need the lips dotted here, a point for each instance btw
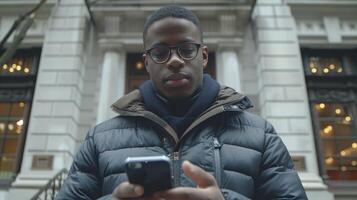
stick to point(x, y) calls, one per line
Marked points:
point(177, 80)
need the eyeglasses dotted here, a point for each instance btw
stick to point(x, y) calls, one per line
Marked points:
point(162, 53)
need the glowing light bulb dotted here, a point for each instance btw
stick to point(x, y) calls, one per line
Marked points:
point(348, 118)
point(354, 145)
point(339, 70)
point(21, 104)
point(343, 168)
point(343, 153)
point(326, 70)
point(18, 67)
point(322, 105)
point(10, 127)
point(314, 70)
point(328, 129)
point(2, 126)
point(20, 122)
point(139, 65)
point(329, 160)
point(11, 70)
point(338, 111)
point(5, 66)
point(332, 66)
point(354, 163)
point(26, 70)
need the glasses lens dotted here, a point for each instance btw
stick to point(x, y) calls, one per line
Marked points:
point(160, 53)
point(187, 50)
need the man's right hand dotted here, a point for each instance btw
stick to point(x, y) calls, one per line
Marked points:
point(127, 190)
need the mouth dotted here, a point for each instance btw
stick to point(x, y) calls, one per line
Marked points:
point(177, 80)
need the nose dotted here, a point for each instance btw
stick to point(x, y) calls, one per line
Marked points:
point(175, 61)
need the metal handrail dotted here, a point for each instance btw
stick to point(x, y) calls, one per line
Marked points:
point(52, 187)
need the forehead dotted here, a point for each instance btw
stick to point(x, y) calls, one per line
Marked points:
point(171, 31)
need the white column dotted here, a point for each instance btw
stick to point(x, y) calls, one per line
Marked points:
point(229, 72)
point(112, 84)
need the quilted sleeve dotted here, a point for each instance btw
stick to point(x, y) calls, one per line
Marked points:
point(82, 181)
point(278, 178)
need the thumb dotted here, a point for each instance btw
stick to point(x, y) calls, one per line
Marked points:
point(202, 178)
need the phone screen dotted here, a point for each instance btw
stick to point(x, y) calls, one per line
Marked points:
point(152, 172)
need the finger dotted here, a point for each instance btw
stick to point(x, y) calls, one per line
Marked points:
point(127, 190)
point(199, 176)
point(181, 193)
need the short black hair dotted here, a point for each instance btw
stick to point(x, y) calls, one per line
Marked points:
point(172, 11)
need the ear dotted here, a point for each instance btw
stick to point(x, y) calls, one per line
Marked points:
point(145, 58)
point(205, 56)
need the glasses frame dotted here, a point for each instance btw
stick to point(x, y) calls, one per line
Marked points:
point(198, 46)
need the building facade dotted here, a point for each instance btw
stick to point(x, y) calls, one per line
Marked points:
point(295, 59)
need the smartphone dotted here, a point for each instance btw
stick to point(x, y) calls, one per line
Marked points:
point(151, 172)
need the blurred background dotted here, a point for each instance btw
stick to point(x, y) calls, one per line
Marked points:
point(63, 62)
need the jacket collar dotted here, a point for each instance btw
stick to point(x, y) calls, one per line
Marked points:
point(227, 97)
point(227, 100)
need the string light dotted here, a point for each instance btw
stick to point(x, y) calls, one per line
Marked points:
point(5, 66)
point(11, 70)
point(332, 66)
point(354, 163)
point(339, 70)
point(21, 104)
point(2, 126)
point(10, 127)
point(19, 129)
point(322, 105)
point(314, 70)
point(326, 70)
point(18, 67)
point(329, 160)
point(343, 153)
point(354, 145)
point(328, 129)
point(343, 168)
point(13, 66)
point(26, 70)
point(139, 65)
point(20, 122)
point(338, 111)
point(348, 118)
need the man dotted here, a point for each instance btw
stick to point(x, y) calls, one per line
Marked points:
point(218, 150)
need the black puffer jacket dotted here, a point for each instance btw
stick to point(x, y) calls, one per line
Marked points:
point(242, 151)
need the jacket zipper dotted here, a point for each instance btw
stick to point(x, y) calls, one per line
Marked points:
point(217, 161)
point(176, 168)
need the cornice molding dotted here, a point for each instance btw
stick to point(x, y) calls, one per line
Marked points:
point(310, 29)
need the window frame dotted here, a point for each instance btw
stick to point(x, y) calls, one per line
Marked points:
point(21, 82)
point(335, 82)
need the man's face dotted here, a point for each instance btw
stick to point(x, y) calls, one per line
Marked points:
point(177, 78)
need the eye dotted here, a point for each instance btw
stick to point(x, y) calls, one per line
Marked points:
point(187, 50)
point(159, 53)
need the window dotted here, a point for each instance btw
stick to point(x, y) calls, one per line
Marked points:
point(332, 88)
point(136, 73)
point(17, 82)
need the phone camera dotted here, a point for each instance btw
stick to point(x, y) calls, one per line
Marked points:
point(136, 165)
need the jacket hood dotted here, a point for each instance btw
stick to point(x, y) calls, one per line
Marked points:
point(133, 102)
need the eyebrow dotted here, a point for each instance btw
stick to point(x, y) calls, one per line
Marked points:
point(164, 43)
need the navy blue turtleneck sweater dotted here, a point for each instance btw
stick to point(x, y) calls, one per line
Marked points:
point(180, 113)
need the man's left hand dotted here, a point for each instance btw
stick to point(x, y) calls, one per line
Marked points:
point(207, 187)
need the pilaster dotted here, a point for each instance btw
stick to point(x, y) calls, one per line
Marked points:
point(283, 97)
point(53, 131)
